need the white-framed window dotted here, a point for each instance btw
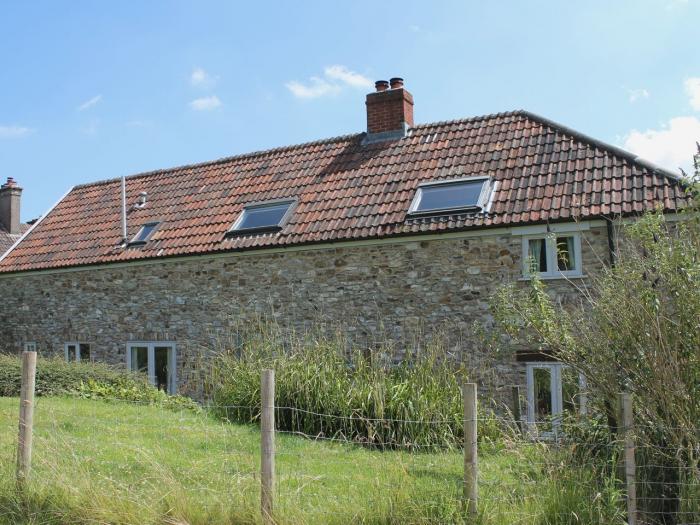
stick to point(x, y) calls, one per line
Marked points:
point(157, 359)
point(552, 255)
point(553, 389)
point(451, 196)
point(30, 346)
point(76, 352)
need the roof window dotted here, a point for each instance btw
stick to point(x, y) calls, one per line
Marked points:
point(144, 233)
point(264, 216)
point(451, 196)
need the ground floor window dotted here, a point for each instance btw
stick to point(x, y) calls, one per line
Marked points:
point(553, 389)
point(155, 359)
point(76, 352)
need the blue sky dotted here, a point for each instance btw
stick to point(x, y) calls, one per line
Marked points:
point(94, 90)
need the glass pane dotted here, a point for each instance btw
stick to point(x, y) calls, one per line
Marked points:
point(537, 253)
point(543, 393)
point(444, 196)
point(145, 232)
point(263, 216)
point(565, 254)
point(139, 359)
point(570, 390)
point(71, 353)
point(161, 366)
point(84, 352)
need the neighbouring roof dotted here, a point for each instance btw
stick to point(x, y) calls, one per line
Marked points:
point(347, 190)
point(8, 239)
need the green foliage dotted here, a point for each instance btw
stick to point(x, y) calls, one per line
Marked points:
point(637, 330)
point(134, 390)
point(329, 389)
point(54, 376)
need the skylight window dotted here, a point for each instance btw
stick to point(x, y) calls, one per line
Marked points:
point(451, 196)
point(144, 233)
point(264, 216)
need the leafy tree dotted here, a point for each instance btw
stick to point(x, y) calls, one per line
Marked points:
point(637, 329)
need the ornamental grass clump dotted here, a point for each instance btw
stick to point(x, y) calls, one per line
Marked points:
point(328, 388)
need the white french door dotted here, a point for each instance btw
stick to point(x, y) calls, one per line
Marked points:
point(552, 390)
point(157, 360)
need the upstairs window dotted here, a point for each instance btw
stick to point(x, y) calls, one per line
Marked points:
point(451, 196)
point(554, 255)
point(144, 233)
point(76, 352)
point(264, 216)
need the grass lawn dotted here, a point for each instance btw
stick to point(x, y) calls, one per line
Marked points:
point(114, 462)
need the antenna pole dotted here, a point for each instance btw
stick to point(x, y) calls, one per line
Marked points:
point(124, 208)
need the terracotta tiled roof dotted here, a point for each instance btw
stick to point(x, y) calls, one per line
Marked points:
point(8, 239)
point(347, 190)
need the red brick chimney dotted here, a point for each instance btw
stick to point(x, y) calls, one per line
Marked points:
point(10, 195)
point(390, 108)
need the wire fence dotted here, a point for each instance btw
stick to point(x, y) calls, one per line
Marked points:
point(109, 460)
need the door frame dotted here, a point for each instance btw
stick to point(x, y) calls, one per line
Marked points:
point(150, 348)
point(556, 388)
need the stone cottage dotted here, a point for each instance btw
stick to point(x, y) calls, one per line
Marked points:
point(399, 225)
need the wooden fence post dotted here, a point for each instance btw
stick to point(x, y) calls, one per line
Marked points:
point(267, 441)
point(26, 417)
point(630, 464)
point(471, 489)
point(517, 412)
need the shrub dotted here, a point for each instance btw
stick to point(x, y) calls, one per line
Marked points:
point(637, 329)
point(55, 377)
point(327, 388)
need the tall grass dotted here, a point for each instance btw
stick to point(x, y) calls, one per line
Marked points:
point(328, 388)
point(99, 462)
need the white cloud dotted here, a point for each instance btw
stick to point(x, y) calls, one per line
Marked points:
point(351, 78)
point(139, 123)
point(205, 103)
point(14, 132)
point(637, 94)
point(201, 78)
point(90, 103)
point(316, 88)
point(335, 78)
point(671, 146)
point(692, 89)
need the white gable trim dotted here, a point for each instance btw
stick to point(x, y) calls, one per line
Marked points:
point(31, 228)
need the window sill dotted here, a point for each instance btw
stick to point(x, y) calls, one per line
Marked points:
point(554, 277)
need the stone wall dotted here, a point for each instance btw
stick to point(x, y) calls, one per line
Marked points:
point(375, 291)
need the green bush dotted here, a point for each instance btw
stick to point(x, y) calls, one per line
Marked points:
point(326, 388)
point(636, 329)
point(56, 377)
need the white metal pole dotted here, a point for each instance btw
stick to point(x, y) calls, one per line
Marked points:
point(124, 233)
